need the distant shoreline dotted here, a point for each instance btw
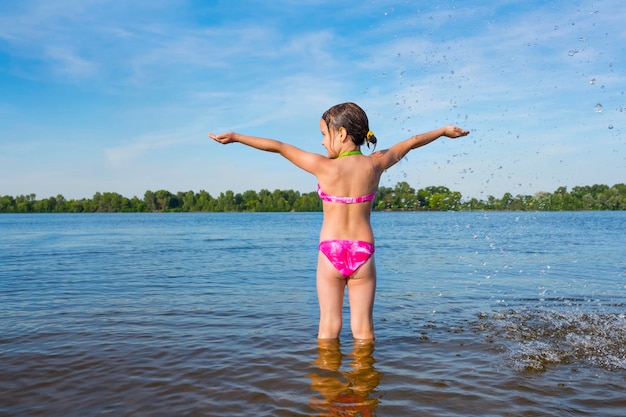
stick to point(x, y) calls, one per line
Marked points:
point(401, 198)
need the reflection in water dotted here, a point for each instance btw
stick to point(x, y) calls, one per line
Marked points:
point(345, 392)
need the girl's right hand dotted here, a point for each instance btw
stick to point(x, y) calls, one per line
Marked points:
point(454, 132)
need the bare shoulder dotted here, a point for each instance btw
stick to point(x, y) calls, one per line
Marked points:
point(385, 158)
point(311, 162)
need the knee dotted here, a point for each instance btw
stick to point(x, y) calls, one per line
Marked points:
point(363, 331)
point(329, 328)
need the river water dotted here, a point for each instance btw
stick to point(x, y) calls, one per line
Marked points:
point(477, 313)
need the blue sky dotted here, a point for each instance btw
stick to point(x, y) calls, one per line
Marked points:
point(119, 96)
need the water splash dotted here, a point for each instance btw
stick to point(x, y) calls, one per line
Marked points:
point(549, 338)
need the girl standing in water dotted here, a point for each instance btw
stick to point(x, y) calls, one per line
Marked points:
point(347, 184)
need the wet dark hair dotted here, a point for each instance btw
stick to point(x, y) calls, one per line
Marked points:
point(352, 118)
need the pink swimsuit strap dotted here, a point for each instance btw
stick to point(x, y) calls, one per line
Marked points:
point(344, 200)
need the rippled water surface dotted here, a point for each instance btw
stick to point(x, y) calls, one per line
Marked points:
point(485, 314)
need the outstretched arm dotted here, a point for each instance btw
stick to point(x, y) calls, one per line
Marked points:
point(263, 144)
point(308, 161)
point(391, 156)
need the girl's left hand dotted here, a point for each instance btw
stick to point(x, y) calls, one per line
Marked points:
point(223, 138)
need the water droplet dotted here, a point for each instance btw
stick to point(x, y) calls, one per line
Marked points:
point(610, 126)
point(573, 52)
point(592, 81)
point(598, 108)
point(582, 39)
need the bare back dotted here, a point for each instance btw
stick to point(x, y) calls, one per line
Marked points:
point(351, 176)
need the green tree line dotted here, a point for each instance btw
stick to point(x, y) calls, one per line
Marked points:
point(402, 197)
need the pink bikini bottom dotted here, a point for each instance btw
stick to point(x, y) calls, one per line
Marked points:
point(346, 255)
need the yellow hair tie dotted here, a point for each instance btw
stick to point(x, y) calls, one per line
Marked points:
point(369, 134)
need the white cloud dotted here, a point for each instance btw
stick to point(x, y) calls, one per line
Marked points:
point(137, 148)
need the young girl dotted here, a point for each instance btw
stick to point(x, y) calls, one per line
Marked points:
point(347, 184)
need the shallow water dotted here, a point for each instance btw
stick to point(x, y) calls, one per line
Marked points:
point(502, 314)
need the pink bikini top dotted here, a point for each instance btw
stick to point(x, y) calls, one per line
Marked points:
point(344, 200)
